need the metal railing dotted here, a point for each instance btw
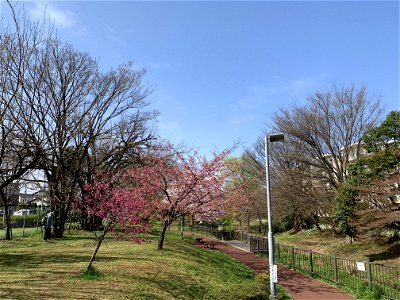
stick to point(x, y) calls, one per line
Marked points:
point(219, 233)
point(384, 280)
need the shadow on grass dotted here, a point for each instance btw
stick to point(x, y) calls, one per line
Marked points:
point(28, 260)
point(77, 237)
point(392, 252)
point(9, 292)
point(46, 291)
point(177, 287)
point(32, 260)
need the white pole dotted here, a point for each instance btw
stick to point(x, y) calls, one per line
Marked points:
point(270, 234)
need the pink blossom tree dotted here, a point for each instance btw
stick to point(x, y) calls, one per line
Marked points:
point(179, 184)
point(121, 208)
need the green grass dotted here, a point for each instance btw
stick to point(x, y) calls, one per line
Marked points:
point(32, 268)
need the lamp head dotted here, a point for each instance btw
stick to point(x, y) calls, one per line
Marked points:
point(276, 137)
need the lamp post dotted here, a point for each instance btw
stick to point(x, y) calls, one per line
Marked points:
point(272, 267)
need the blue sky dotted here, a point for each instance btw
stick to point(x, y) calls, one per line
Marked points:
point(221, 69)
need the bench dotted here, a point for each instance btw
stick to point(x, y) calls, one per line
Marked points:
point(199, 240)
point(209, 245)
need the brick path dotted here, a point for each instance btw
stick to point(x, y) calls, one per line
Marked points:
point(298, 285)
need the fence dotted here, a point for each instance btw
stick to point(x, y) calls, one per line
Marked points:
point(384, 280)
point(221, 233)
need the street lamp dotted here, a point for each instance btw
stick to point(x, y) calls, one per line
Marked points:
point(272, 267)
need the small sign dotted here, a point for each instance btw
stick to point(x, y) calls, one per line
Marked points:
point(274, 273)
point(361, 266)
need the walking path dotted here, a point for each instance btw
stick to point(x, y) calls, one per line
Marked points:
point(298, 285)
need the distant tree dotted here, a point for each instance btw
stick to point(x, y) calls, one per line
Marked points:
point(321, 138)
point(374, 179)
point(237, 198)
point(292, 195)
point(299, 201)
point(252, 183)
point(386, 135)
point(179, 184)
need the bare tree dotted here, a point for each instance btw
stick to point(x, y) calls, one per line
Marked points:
point(79, 107)
point(17, 154)
point(291, 193)
point(67, 108)
point(321, 138)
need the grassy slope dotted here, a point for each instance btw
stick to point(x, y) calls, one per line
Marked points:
point(32, 268)
point(379, 250)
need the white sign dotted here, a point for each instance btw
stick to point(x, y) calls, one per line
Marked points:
point(361, 266)
point(274, 273)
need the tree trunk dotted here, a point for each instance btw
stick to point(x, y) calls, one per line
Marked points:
point(7, 223)
point(182, 224)
point(59, 207)
point(319, 227)
point(162, 235)
point(59, 218)
point(23, 226)
point(260, 225)
point(89, 223)
point(99, 241)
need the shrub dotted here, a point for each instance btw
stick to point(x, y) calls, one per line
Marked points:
point(91, 273)
point(30, 221)
point(365, 292)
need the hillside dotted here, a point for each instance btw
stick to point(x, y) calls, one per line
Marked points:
point(384, 250)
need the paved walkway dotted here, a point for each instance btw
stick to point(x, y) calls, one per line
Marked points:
point(298, 285)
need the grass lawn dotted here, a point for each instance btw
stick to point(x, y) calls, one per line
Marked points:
point(32, 268)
